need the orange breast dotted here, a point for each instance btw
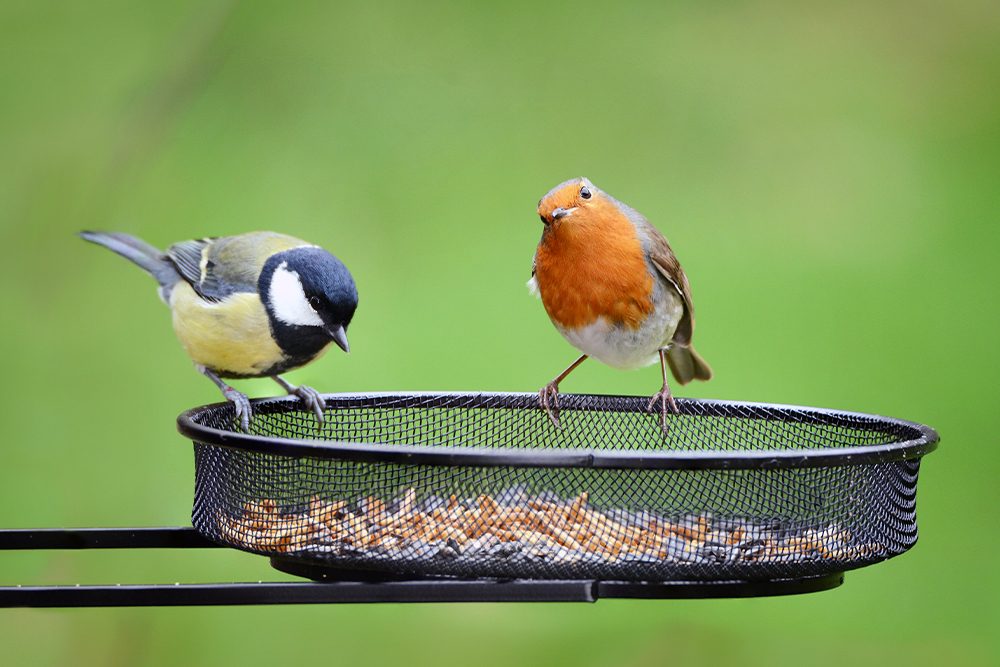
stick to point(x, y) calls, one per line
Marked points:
point(592, 265)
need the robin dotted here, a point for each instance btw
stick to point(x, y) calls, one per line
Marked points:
point(614, 289)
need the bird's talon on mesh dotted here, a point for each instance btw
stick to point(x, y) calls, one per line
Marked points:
point(549, 398)
point(312, 400)
point(241, 405)
point(667, 406)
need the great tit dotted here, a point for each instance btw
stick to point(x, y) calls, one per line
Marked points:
point(247, 306)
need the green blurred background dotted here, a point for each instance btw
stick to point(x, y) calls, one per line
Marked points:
point(827, 172)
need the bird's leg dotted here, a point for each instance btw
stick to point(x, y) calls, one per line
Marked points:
point(239, 400)
point(549, 394)
point(309, 396)
point(666, 399)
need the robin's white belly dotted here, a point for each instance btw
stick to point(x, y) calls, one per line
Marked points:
point(623, 347)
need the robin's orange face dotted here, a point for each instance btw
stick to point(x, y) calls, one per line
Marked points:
point(566, 199)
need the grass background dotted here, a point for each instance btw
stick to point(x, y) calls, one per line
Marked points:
point(827, 173)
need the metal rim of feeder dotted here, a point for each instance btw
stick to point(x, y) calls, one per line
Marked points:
point(924, 440)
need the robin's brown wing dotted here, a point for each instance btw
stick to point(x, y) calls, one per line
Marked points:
point(663, 258)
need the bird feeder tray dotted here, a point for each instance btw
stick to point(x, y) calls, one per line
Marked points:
point(484, 485)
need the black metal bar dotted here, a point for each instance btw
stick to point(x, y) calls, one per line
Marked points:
point(333, 591)
point(925, 439)
point(172, 537)
point(266, 593)
point(349, 592)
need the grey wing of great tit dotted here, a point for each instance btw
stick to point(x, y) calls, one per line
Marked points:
point(218, 267)
point(214, 268)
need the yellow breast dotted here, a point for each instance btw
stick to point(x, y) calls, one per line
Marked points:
point(232, 337)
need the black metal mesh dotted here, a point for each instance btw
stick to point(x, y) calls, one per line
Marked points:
point(759, 519)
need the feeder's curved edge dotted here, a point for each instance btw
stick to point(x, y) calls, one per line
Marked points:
point(562, 458)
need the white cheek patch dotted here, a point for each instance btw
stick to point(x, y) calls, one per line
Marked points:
point(288, 299)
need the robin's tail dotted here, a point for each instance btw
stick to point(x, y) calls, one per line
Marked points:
point(137, 251)
point(686, 364)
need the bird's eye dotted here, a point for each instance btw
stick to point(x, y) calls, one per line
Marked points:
point(585, 192)
point(314, 302)
point(542, 218)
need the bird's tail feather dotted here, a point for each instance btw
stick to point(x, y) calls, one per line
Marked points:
point(686, 364)
point(137, 251)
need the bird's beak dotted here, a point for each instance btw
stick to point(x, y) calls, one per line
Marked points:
point(562, 212)
point(339, 337)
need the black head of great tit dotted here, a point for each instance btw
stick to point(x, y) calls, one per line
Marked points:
point(310, 299)
point(253, 305)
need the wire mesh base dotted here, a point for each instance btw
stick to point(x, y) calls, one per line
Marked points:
point(330, 574)
point(483, 485)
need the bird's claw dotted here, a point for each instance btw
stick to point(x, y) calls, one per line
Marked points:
point(312, 400)
point(667, 405)
point(548, 396)
point(241, 405)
